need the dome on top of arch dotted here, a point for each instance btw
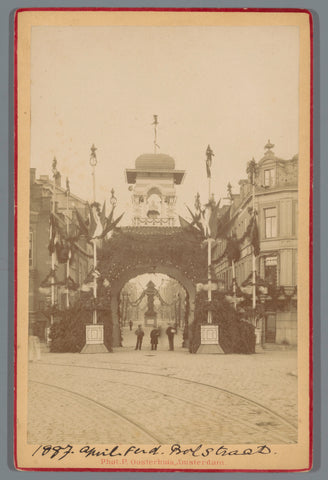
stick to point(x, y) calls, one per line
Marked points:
point(155, 161)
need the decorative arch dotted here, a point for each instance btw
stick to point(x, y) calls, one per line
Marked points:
point(133, 251)
point(154, 190)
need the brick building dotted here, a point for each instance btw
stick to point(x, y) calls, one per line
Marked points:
point(41, 191)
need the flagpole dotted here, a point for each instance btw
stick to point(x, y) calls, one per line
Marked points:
point(234, 284)
point(229, 188)
point(67, 231)
point(209, 283)
point(93, 163)
point(155, 123)
point(94, 280)
point(53, 253)
point(209, 155)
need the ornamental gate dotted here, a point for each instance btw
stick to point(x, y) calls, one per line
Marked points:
point(174, 251)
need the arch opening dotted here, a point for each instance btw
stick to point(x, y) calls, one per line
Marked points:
point(153, 302)
point(170, 301)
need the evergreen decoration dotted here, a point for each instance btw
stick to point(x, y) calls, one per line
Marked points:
point(67, 334)
point(236, 335)
point(127, 249)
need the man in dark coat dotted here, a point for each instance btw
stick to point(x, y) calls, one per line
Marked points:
point(170, 331)
point(154, 334)
point(140, 333)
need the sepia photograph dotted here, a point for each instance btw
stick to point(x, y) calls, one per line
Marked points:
point(163, 240)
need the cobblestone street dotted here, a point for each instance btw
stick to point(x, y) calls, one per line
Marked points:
point(161, 396)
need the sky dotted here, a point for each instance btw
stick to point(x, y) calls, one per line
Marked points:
point(231, 87)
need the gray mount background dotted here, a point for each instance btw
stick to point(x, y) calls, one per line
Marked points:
point(319, 9)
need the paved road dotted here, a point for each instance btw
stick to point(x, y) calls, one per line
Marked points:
point(164, 397)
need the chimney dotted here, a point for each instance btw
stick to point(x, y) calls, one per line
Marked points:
point(44, 178)
point(58, 179)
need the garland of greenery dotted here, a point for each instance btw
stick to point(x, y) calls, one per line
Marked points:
point(232, 250)
point(236, 335)
point(126, 250)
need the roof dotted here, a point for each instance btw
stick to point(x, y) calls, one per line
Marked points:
point(155, 161)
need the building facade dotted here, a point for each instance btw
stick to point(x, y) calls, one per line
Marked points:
point(66, 204)
point(276, 207)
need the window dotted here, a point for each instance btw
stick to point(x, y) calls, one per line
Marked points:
point(270, 270)
point(270, 216)
point(30, 251)
point(269, 177)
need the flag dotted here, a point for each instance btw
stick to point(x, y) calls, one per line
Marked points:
point(209, 219)
point(87, 287)
point(254, 237)
point(110, 225)
point(248, 290)
point(67, 186)
point(233, 249)
point(184, 223)
point(103, 214)
point(213, 220)
point(83, 227)
point(95, 226)
point(195, 218)
point(209, 155)
point(54, 236)
point(61, 252)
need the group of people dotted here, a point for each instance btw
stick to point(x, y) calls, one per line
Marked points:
point(154, 334)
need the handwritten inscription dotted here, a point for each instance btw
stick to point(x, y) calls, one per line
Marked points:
point(201, 451)
point(58, 452)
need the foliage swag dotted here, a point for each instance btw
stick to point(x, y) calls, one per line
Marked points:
point(236, 335)
point(180, 249)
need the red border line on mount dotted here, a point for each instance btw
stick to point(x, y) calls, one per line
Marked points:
point(217, 10)
point(159, 9)
point(311, 253)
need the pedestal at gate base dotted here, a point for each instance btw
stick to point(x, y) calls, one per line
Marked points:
point(209, 335)
point(94, 339)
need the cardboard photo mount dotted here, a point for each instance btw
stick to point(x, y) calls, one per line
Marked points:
point(208, 457)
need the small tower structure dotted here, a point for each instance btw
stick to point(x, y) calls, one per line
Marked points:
point(154, 179)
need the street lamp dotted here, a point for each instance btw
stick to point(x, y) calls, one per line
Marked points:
point(113, 199)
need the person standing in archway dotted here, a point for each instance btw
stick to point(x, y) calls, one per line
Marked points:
point(154, 334)
point(140, 333)
point(170, 332)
